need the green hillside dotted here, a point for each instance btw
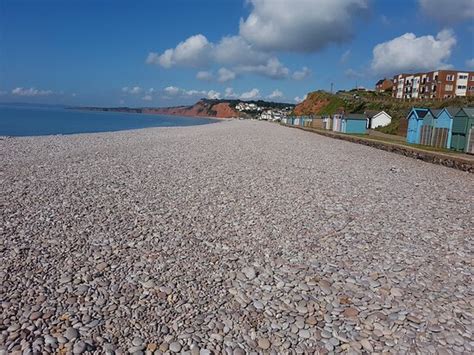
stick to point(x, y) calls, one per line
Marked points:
point(358, 101)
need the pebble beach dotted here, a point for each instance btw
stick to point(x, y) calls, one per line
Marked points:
point(231, 238)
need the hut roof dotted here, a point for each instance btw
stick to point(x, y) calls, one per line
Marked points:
point(452, 110)
point(356, 116)
point(469, 111)
point(436, 112)
point(421, 113)
point(372, 113)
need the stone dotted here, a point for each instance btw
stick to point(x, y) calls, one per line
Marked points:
point(396, 292)
point(249, 272)
point(71, 333)
point(366, 345)
point(79, 347)
point(304, 333)
point(148, 284)
point(175, 347)
point(263, 343)
point(101, 266)
point(152, 347)
point(350, 312)
point(137, 341)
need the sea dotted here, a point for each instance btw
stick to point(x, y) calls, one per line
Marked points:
point(20, 121)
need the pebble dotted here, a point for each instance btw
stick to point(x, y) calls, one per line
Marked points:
point(249, 272)
point(79, 347)
point(263, 343)
point(175, 347)
point(71, 333)
point(230, 238)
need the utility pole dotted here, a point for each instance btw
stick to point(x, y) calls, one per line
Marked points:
point(332, 86)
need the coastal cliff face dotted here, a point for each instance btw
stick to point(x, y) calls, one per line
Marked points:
point(318, 103)
point(200, 109)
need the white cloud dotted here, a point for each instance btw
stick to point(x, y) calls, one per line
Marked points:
point(147, 98)
point(411, 53)
point(448, 11)
point(230, 94)
point(300, 25)
point(193, 52)
point(276, 94)
point(3, 93)
point(225, 75)
point(470, 63)
point(135, 90)
point(299, 99)
point(195, 93)
point(301, 74)
point(31, 92)
point(172, 90)
point(234, 50)
point(250, 95)
point(345, 56)
point(213, 95)
point(204, 75)
point(273, 69)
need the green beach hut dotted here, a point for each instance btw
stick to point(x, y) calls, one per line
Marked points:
point(462, 138)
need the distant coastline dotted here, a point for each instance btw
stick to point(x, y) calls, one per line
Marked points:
point(204, 108)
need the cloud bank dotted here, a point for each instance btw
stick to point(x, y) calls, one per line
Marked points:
point(411, 53)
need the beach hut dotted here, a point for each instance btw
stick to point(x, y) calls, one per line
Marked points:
point(426, 130)
point(415, 122)
point(462, 138)
point(327, 122)
point(443, 126)
point(337, 122)
point(316, 122)
point(377, 118)
point(354, 123)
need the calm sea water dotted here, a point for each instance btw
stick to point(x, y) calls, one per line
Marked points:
point(39, 121)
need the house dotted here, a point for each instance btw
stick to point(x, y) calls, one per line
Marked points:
point(354, 123)
point(377, 119)
point(463, 130)
point(439, 84)
point(415, 122)
point(384, 85)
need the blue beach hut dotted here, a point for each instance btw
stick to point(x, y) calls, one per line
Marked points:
point(415, 122)
point(354, 123)
point(443, 127)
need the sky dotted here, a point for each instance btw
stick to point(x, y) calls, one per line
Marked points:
point(174, 52)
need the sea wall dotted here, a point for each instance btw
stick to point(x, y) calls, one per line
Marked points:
point(451, 161)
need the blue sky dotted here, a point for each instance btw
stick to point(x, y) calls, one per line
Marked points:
point(171, 52)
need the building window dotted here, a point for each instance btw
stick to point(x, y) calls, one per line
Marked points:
point(436, 77)
point(450, 77)
point(463, 77)
point(461, 87)
point(472, 78)
point(448, 87)
point(471, 88)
